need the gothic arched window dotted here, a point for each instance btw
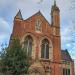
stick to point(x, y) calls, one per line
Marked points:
point(45, 49)
point(28, 45)
point(38, 25)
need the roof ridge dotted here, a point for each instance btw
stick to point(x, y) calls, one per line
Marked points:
point(65, 55)
point(39, 12)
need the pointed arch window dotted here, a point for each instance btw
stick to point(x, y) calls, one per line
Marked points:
point(38, 25)
point(28, 45)
point(45, 49)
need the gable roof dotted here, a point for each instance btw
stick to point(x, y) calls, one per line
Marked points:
point(38, 13)
point(65, 55)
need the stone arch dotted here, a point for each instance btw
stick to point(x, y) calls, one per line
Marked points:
point(22, 40)
point(33, 45)
point(50, 47)
point(45, 49)
point(37, 66)
point(28, 44)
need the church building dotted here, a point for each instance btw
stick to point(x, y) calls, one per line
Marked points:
point(42, 42)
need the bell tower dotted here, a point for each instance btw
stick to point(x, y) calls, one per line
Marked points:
point(55, 23)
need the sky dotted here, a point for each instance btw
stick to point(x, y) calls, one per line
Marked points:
point(9, 8)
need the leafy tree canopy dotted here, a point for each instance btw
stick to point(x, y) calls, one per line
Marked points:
point(14, 59)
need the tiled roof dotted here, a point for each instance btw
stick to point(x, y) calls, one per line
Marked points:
point(65, 55)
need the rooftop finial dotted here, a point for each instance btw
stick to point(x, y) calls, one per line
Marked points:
point(55, 2)
point(18, 15)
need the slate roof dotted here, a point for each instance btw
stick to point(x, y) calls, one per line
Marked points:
point(18, 15)
point(65, 55)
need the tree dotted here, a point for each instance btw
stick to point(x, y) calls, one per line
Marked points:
point(14, 59)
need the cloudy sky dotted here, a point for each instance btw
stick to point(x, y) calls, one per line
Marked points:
point(9, 8)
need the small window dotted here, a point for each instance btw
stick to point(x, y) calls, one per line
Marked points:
point(66, 71)
point(38, 25)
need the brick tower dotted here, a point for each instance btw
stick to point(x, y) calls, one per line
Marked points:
point(55, 19)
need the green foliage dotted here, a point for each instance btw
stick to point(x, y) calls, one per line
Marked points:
point(14, 59)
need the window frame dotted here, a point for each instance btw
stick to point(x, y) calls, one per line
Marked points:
point(38, 25)
point(66, 71)
point(45, 51)
point(28, 43)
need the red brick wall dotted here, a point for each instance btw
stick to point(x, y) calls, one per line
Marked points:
point(22, 27)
